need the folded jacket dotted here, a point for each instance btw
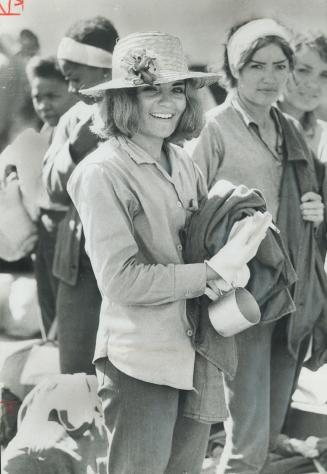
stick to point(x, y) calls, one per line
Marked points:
point(272, 273)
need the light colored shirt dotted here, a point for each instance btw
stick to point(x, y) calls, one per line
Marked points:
point(132, 212)
point(230, 147)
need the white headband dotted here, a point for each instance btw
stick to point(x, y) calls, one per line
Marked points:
point(81, 53)
point(246, 35)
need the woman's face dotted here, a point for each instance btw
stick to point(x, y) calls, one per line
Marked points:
point(160, 108)
point(262, 79)
point(307, 86)
point(80, 76)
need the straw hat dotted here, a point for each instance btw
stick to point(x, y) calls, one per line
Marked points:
point(149, 58)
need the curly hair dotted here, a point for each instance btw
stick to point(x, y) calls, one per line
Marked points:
point(121, 115)
point(45, 67)
point(228, 81)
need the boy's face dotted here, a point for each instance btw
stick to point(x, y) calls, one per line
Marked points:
point(51, 99)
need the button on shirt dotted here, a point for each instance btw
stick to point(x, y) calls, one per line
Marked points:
point(132, 211)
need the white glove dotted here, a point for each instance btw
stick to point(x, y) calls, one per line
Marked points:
point(215, 288)
point(242, 245)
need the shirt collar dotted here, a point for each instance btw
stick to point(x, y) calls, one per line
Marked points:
point(138, 154)
point(248, 120)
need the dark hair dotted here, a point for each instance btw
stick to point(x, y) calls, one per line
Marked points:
point(121, 115)
point(28, 34)
point(45, 67)
point(97, 31)
point(317, 41)
point(227, 79)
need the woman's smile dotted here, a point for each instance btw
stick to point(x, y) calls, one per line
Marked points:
point(163, 116)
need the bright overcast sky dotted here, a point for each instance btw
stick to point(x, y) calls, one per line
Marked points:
point(201, 24)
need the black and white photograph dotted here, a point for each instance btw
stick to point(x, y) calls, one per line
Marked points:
point(163, 237)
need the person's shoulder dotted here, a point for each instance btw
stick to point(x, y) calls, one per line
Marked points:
point(218, 111)
point(107, 164)
point(107, 153)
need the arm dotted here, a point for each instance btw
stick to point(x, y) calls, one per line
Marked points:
point(106, 210)
point(72, 141)
point(313, 203)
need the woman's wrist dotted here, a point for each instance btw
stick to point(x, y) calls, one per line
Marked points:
point(211, 274)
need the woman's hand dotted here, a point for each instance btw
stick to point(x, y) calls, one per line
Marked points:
point(312, 208)
point(242, 245)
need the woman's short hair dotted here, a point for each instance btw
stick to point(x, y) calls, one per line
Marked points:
point(227, 79)
point(45, 67)
point(121, 115)
point(97, 31)
point(317, 42)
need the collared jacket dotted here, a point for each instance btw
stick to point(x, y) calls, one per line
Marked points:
point(272, 274)
point(306, 246)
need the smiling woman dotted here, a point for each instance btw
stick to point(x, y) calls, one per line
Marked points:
point(134, 196)
point(306, 88)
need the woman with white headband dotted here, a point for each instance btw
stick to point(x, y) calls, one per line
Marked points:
point(249, 141)
point(84, 57)
point(134, 194)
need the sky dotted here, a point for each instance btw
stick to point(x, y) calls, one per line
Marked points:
point(201, 24)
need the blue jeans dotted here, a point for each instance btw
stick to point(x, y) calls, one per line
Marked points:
point(258, 397)
point(146, 431)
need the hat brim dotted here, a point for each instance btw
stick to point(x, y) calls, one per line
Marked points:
point(200, 79)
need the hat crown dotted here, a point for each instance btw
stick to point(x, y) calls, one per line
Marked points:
point(161, 53)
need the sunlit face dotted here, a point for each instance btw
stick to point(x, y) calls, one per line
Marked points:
point(51, 99)
point(80, 76)
point(262, 79)
point(308, 85)
point(160, 108)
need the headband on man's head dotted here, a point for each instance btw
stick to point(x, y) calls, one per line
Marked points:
point(246, 35)
point(71, 50)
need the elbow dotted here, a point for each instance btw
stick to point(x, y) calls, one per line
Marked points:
point(119, 292)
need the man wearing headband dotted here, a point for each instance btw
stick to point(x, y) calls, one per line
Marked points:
point(84, 56)
point(247, 140)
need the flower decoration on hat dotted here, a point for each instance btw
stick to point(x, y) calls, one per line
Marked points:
point(141, 67)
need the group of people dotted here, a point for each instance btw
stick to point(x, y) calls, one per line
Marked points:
point(130, 168)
